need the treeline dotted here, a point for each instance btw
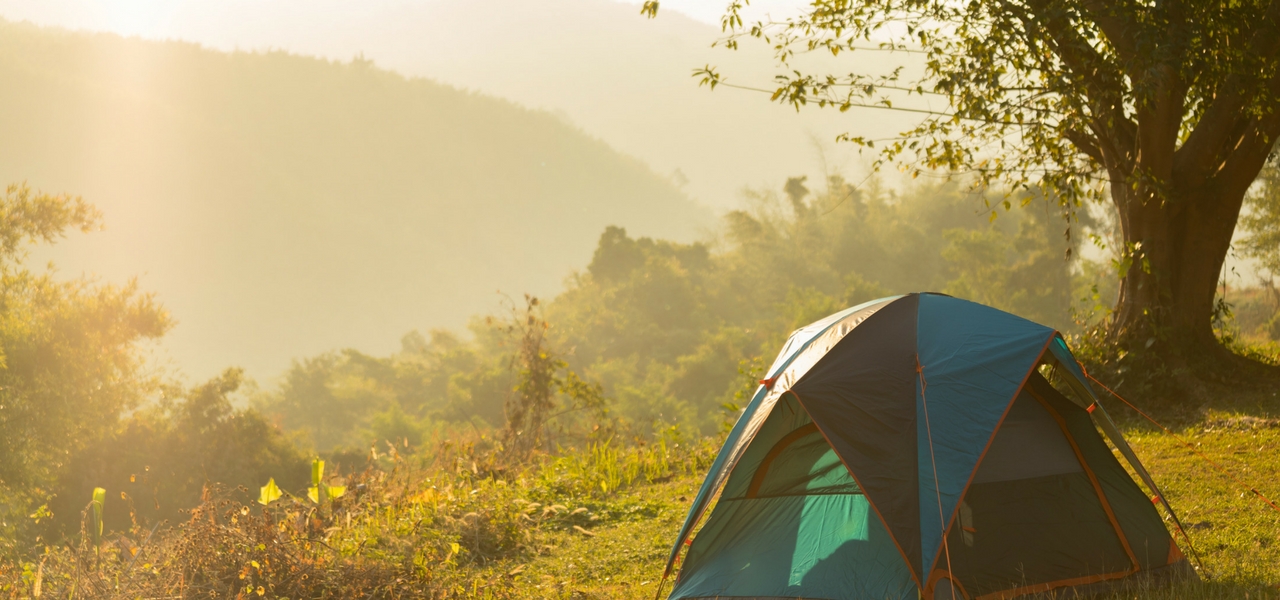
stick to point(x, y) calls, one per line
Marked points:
point(677, 334)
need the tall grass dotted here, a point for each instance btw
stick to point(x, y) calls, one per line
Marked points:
point(444, 523)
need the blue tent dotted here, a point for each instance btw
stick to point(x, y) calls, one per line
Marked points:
point(923, 446)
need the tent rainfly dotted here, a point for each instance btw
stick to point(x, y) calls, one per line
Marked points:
point(923, 446)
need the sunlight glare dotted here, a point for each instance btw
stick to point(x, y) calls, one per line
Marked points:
point(146, 18)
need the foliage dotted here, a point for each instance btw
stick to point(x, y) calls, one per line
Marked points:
point(429, 527)
point(595, 522)
point(71, 359)
point(321, 493)
point(1262, 222)
point(1168, 110)
point(1037, 92)
point(99, 498)
point(664, 327)
point(666, 336)
point(545, 388)
point(160, 460)
point(342, 400)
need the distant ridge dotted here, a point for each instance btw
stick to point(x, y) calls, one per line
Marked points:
point(600, 63)
point(282, 205)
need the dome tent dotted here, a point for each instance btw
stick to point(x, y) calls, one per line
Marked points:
point(912, 447)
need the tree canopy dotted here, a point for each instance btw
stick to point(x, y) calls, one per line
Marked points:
point(1168, 109)
point(69, 349)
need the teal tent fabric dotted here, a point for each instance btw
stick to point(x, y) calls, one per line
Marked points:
point(865, 446)
point(973, 359)
point(744, 430)
point(749, 548)
point(862, 395)
point(805, 532)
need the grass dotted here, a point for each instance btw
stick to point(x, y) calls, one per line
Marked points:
point(588, 524)
point(1236, 534)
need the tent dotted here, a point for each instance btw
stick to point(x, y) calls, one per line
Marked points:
point(922, 446)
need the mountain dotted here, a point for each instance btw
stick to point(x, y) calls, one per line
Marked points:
point(599, 63)
point(282, 205)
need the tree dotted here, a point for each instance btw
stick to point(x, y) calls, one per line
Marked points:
point(545, 388)
point(70, 355)
point(1167, 109)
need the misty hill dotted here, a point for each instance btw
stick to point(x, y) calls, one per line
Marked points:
point(282, 205)
point(618, 75)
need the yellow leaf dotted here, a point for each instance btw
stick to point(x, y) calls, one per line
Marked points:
point(269, 493)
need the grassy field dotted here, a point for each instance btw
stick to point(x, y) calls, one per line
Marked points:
point(1237, 536)
point(588, 524)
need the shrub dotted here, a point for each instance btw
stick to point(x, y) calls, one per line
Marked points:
point(160, 461)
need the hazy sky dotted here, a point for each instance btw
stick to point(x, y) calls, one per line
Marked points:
point(157, 18)
point(598, 63)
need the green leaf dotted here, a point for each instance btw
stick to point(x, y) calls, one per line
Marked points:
point(336, 491)
point(313, 493)
point(317, 471)
point(99, 498)
point(269, 493)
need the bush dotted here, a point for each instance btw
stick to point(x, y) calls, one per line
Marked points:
point(159, 462)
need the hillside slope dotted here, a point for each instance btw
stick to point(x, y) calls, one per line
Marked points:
point(282, 205)
point(620, 76)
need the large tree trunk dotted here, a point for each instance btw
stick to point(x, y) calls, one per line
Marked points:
point(1178, 248)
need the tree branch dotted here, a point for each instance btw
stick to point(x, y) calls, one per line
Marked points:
point(1085, 144)
point(1251, 150)
point(1160, 120)
point(1119, 35)
point(1103, 84)
point(1198, 158)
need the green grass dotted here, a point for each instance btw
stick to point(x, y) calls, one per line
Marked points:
point(588, 524)
point(622, 560)
point(1237, 536)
